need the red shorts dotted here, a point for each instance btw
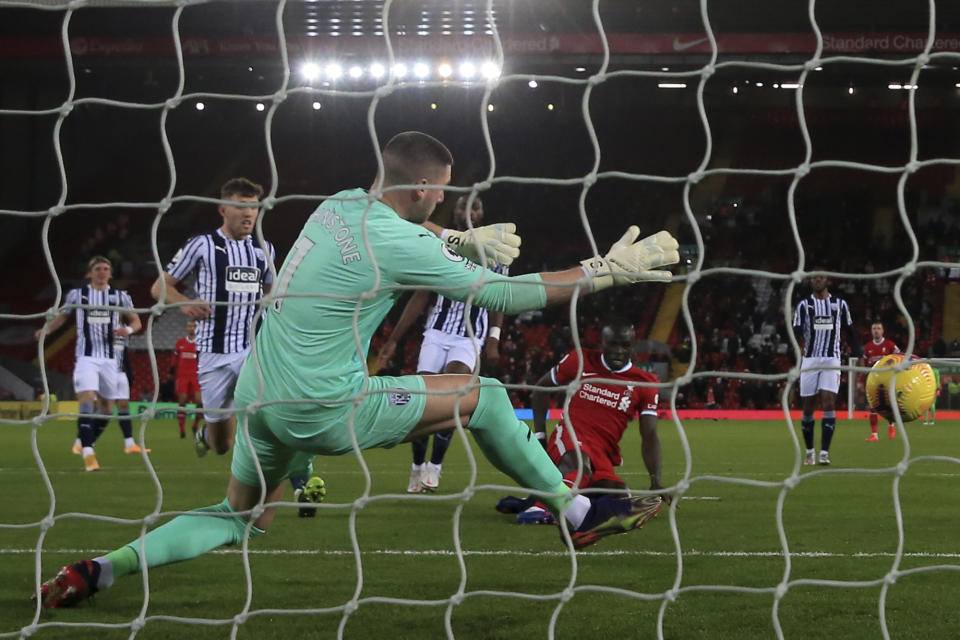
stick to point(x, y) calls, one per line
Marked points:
point(602, 458)
point(186, 386)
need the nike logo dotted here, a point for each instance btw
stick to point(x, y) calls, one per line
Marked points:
point(681, 46)
point(587, 375)
point(425, 235)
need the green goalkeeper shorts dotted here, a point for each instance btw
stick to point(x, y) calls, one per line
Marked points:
point(286, 442)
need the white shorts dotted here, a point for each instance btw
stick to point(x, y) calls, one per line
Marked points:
point(440, 349)
point(217, 373)
point(819, 379)
point(122, 388)
point(99, 375)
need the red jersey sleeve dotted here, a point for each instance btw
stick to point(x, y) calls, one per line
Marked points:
point(647, 399)
point(566, 369)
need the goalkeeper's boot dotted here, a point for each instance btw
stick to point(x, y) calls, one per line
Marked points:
point(200, 445)
point(535, 515)
point(74, 583)
point(873, 438)
point(609, 516)
point(313, 492)
point(811, 458)
point(511, 504)
point(892, 431)
point(430, 480)
point(90, 463)
point(824, 459)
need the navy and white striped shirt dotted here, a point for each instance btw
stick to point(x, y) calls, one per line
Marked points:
point(227, 270)
point(95, 326)
point(450, 316)
point(821, 322)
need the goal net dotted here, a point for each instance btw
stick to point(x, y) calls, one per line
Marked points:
point(776, 143)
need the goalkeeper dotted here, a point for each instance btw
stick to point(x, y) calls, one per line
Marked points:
point(339, 281)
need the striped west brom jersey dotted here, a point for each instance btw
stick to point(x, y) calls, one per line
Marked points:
point(450, 316)
point(227, 270)
point(820, 323)
point(95, 327)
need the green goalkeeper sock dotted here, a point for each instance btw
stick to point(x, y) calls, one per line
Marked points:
point(508, 444)
point(184, 537)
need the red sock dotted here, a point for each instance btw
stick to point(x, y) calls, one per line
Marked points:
point(181, 417)
point(873, 423)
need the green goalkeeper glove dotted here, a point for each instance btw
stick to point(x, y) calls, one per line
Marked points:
point(498, 241)
point(629, 261)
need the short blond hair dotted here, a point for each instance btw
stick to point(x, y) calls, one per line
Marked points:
point(95, 260)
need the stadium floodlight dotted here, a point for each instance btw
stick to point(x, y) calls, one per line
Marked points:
point(490, 70)
point(467, 70)
point(736, 89)
point(445, 70)
point(673, 85)
point(316, 106)
point(377, 70)
point(261, 106)
point(790, 85)
point(433, 106)
point(355, 72)
point(200, 106)
point(533, 84)
point(421, 69)
point(580, 69)
point(549, 106)
point(850, 90)
point(310, 70)
point(400, 70)
point(333, 71)
point(490, 107)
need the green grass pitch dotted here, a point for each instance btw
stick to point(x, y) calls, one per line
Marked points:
point(840, 526)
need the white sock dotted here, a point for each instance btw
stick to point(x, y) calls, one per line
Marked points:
point(77, 442)
point(434, 466)
point(106, 572)
point(128, 442)
point(578, 511)
point(87, 451)
point(811, 450)
point(416, 467)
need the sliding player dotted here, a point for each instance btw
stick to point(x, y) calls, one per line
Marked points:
point(599, 412)
point(353, 253)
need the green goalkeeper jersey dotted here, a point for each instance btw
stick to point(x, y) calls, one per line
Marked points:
point(351, 262)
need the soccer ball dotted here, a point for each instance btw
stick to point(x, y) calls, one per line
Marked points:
point(916, 388)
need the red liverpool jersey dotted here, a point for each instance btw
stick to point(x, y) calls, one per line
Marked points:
point(873, 351)
point(186, 354)
point(601, 411)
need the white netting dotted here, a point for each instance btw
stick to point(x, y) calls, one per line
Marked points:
point(799, 73)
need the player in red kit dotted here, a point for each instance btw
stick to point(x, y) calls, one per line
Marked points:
point(872, 352)
point(187, 386)
point(599, 413)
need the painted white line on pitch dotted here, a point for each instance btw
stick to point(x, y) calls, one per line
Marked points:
point(446, 552)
